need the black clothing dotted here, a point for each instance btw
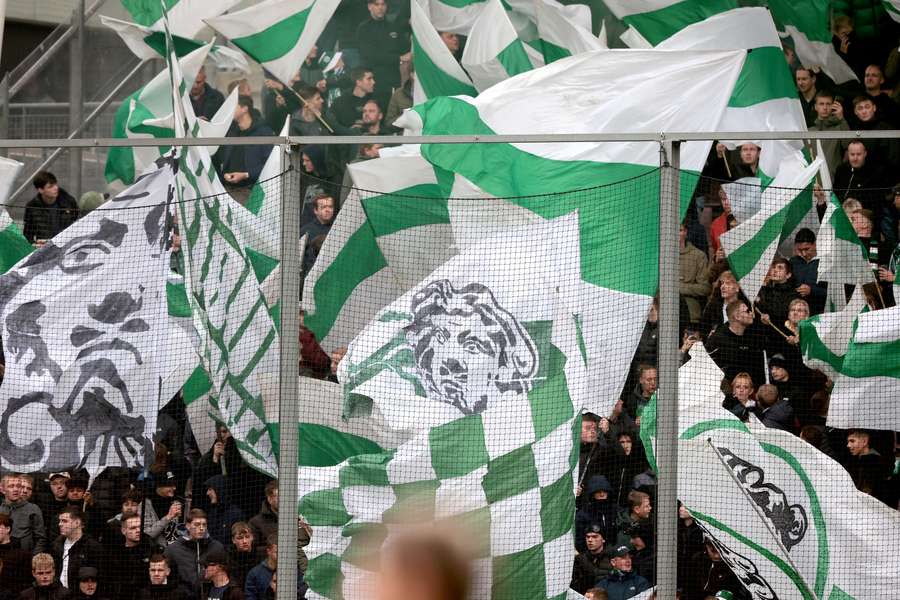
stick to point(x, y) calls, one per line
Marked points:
point(167, 591)
point(51, 510)
point(86, 552)
point(774, 299)
point(223, 514)
point(54, 591)
point(129, 570)
point(312, 230)
point(347, 108)
point(232, 591)
point(808, 273)
point(735, 353)
point(868, 471)
point(249, 159)
point(242, 562)
point(264, 524)
point(44, 221)
point(380, 45)
point(866, 184)
point(208, 103)
point(16, 574)
point(588, 569)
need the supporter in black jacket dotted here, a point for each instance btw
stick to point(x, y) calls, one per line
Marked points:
point(81, 550)
point(598, 510)
point(163, 583)
point(46, 586)
point(15, 574)
point(130, 561)
point(50, 211)
point(206, 100)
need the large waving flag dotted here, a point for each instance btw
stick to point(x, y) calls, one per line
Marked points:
point(824, 338)
point(437, 72)
point(647, 90)
point(455, 16)
point(382, 242)
point(185, 16)
point(238, 339)
point(656, 20)
point(893, 9)
point(147, 113)
point(865, 391)
point(462, 464)
point(808, 24)
point(84, 333)
point(278, 34)
point(493, 50)
point(776, 508)
point(13, 245)
point(765, 97)
point(751, 246)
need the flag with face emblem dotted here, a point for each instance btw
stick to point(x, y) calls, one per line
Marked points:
point(83, 332)
point(479, 365)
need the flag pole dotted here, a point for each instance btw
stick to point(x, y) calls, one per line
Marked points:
point(766, 522)
point(305, 104)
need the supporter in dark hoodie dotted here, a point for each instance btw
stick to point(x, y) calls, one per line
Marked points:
point(624, 463)
point(776, 295)
point(221, 514)
point(598, 508)
point(243, 552)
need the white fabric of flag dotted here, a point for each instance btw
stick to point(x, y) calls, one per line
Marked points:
point(751, 246)
point(618, 90)
point(865, 392)
point(278, 34)
point(652, 21)
point(561, 36)
point(824, 338)
point(455, 16)
point(362, 268)
point(808, 24)
point(147, 44)
point(493, 50)
point(437, 72)
point(802, 530)
point(84, 332)
point(238, 342)
point(511, 488)
point(765, 96)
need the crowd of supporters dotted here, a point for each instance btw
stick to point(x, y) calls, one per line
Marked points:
point(202, 524)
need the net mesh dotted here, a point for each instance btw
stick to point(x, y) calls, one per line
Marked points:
point(476, 394)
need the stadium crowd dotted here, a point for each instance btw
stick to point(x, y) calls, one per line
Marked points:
point(200, 523)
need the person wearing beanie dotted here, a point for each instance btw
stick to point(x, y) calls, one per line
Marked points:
point(593, 564)
point(598, 509)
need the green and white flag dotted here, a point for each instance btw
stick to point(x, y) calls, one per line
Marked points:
point(455, 16)
point(618, 90)
point(13, 245)
point(148, 43)
point(387, 236)
point(147, 113)
point(437, 72)
point(493, 50)
point(777, 509)
point(808, 24)
point(278, 34)
point(515, 356)
point(265, 200)
point(765, 96)
point(185, 16)
point(865, 392)
point(751, 246)
point(238, 340)
point(824, 338)
point(559, 35)
point(656, 20)
point(843, 258)
point(893, 9)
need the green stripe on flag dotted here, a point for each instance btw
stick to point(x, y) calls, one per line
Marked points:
point(119, 159)
point(434, 81)
point(551, 52)
point(183, 46)
point(390, 213)
point(177, 300)
point(873, 359)
point(147, 12)
point(514, 59)
point(658, 25)
point(337, 283)
point(765, 76)
point(197, 386)
point(747, 255)
point(322, 446)
point(262, 264)
point(276, 40)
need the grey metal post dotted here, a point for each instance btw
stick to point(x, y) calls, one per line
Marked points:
point(288, 410)
point(4, 109)
point(76, 95)
point(668, 363)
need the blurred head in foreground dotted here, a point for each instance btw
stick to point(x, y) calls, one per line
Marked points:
point(422, 567)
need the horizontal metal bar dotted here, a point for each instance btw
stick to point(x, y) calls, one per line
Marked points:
point(457, 139)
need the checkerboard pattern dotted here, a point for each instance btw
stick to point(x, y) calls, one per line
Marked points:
point(505, 476)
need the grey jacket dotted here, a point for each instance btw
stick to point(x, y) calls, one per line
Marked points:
point(28, 525)
point(187, 555)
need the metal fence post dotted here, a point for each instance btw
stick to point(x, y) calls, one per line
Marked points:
point(76, 95)
point(288, 410)
point(4, 110)
point(668, 363)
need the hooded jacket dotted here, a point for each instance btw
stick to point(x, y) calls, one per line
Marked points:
point(601, 512)
point(28, 525)
point(264, 523)
point(186, 555)
point(223, 514)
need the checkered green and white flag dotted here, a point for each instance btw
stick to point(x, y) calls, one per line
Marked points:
point(479, 365)
point(237, 336)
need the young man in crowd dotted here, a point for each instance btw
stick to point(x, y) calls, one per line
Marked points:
point(265, 523)
point(27, 519)
point(162, 585)
point(56, 503)
point(593, 563)
point(130, 559)
point(259, 577)
point(735, 347)
point(50, 211)
point(73, 549)
point(187, 553)
point(243, 553)
point(217, 584)
point(621, 583)
point(16, 573)
point(45, 586)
